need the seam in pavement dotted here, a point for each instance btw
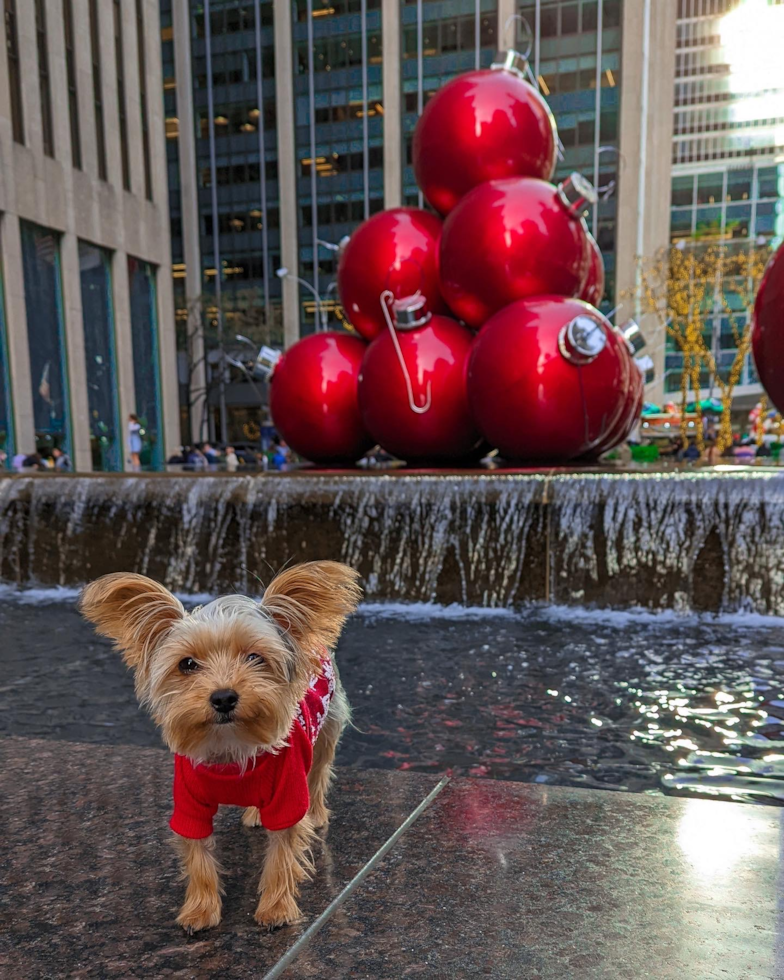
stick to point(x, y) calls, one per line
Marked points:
point(293, 952)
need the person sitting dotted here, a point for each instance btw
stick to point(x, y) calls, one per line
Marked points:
point(62, 461)
point(33, 462)
point(692, 453)
point(232, 460)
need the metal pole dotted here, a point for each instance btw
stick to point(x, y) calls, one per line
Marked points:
point(477, 33)
point(537, 35)
point(312, 122)
point(215, 226)
point(365, 150)
point(262, 170)
point(598, 114)
point(640, 242)
point(420, 73)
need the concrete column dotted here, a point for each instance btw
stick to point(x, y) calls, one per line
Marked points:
point(393, 137)
point(646, 125)
point(167, 357)
point(74, 349)
point(123, 346)
point(189, 207)
point(506, 9)
point(111, 121)
point(133, 111)
point(28, 62)
point(16, 325)
point(287, 166)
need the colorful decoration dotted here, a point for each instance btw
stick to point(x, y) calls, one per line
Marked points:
point(484, 125)
point(547, 379)
point(313, 398)
point(412, 387)
point(395, 250)
point(511, 239)
point(767, 334)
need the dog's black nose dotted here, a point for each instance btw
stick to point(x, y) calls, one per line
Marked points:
point(224, 701)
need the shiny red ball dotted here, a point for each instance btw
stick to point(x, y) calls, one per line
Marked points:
point(593, 290)
point(436, 356)
point(632, 404)
point(528, 399)
point(481, 126)
point(313, 398)
point(395, 250)
point(767, 335)
point(508, 240)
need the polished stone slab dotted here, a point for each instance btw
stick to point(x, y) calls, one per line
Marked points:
point(89, 882)
point(497, 880)
point(530, 883)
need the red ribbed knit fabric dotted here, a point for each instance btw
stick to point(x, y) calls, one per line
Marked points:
point(276, 783)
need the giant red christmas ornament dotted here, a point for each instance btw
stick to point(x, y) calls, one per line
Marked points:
point(628, 340)
point(593, 290)
point(511, 239)
point(481, 126)
point(313, 398)
point(546, 380)
point(412, 387)
point(395, 250)
point(767, 335)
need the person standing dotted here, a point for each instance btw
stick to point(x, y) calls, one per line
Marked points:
point(232, 462)
point(135, 442)
point(62, 461)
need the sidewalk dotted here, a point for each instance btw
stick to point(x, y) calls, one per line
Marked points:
point(485, 880)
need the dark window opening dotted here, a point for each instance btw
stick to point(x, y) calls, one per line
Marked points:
point(47, 127)
point(14, 75)
point(143, 100)
point(73, 95)
point(95, 53)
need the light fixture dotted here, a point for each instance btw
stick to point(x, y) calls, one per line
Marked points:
point(282, 272)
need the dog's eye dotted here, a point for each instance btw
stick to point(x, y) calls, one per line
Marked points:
point(255, 658)
point(187, 665)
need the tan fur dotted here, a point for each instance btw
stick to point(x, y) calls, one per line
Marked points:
point(302, 611)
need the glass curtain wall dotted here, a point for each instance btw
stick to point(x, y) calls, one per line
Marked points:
point(440, 39)
point(146, 361)
point(339, 109)
point(100, 359)
point(46, 338)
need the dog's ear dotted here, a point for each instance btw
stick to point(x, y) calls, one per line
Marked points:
point(133, 611)
point(310, 602)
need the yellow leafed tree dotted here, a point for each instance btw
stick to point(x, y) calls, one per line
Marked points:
point(687, 287)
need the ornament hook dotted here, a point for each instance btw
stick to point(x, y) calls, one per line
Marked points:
point(388, 297)
point(530, 34)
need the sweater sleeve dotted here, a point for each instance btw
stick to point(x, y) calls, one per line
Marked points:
point(191, 818)
point(289, 799)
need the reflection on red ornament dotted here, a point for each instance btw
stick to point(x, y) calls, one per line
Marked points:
point(593, 290)
point(418, 410)
point(511, 239)
point(395, 250)
point(767, 336)
point(484, 125)
point(313, 398)
point(546, 379)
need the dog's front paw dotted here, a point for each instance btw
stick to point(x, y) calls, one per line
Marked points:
point(199, 913)
point(251, 817)
point(281, 912)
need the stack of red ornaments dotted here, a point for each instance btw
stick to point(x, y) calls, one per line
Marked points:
point(477, 329)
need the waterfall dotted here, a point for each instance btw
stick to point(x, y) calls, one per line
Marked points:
point(696, 540)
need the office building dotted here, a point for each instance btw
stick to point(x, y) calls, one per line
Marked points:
point(290, 123)
point(86, 318)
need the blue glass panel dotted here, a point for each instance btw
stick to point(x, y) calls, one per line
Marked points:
point(146, 369)
point(98, 316)
point(45, 335)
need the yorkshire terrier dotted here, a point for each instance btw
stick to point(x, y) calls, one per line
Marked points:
point(249, 700)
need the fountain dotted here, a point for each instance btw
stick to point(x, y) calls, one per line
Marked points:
point(697, 540)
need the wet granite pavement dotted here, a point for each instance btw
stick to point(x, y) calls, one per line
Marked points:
point(493, 879)
point(648, 704)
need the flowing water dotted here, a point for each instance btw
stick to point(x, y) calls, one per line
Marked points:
point(653, 703)
point(702, 540)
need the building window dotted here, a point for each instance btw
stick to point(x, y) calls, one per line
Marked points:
point(119, 62)
point(47, 128)
point(146, 370)
point(45, 336)
point(95, 53)
point(143, 100)
point(73, 95)
point(99, 355)
point(14, 75)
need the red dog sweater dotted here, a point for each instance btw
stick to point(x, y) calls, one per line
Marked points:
point(275, 782)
